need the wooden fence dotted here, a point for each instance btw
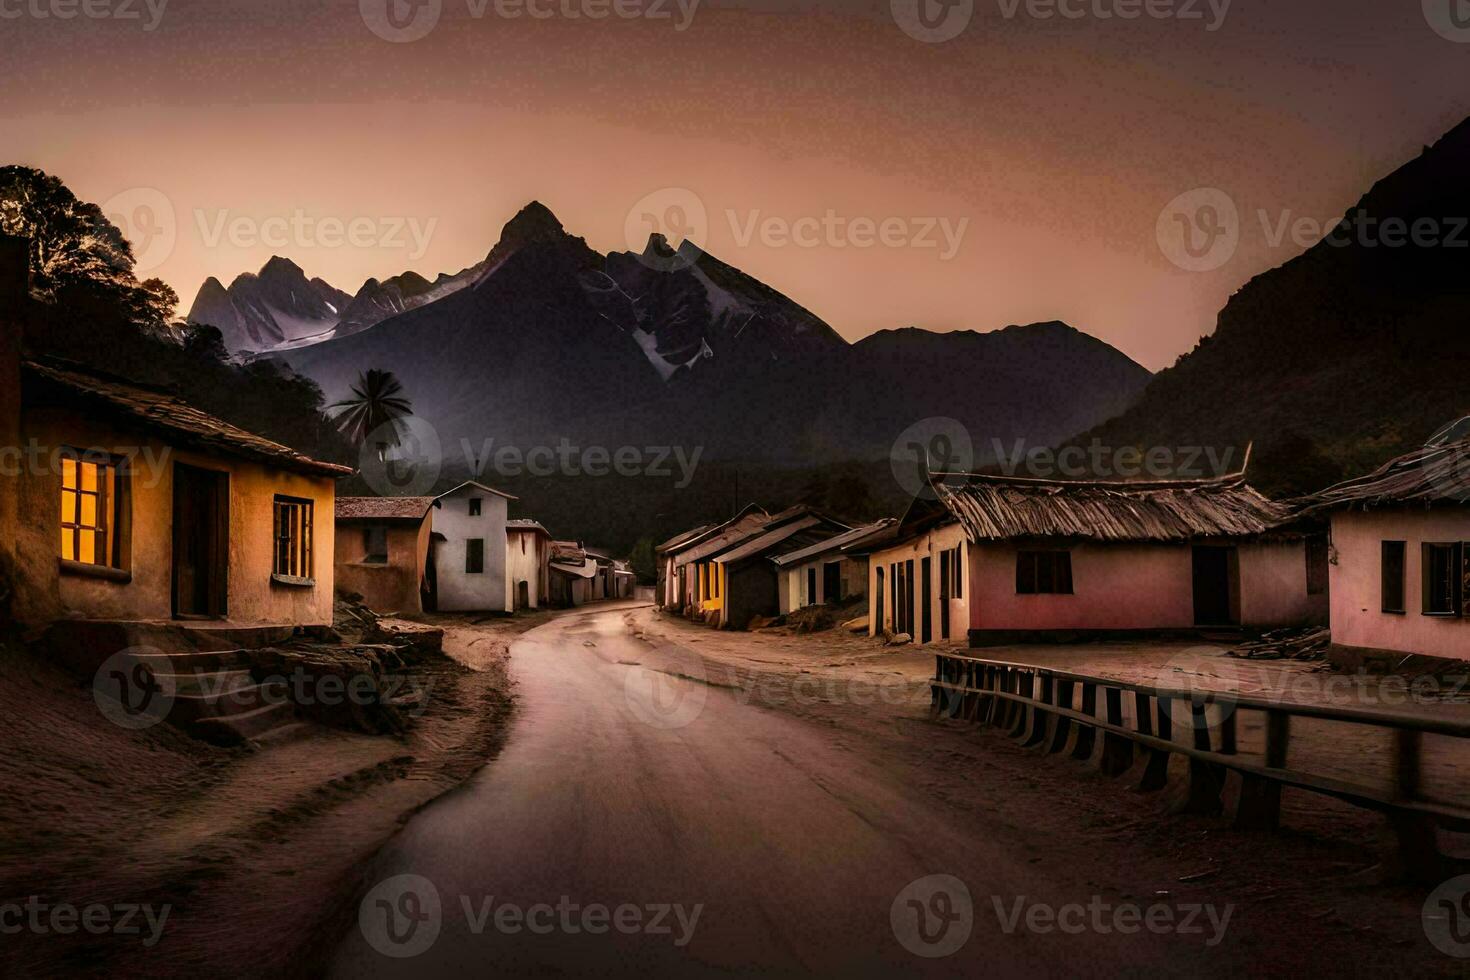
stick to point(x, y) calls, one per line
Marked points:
point(1157, 736)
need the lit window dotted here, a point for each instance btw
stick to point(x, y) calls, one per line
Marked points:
point(293, 537)
point(90, 508)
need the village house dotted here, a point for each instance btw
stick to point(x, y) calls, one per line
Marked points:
point(122, 502)
point(470, 562)
point(527, 563)
point(382, 552)
point(730, 574)
point(1399, 574)
point(1058, 561)
point(675, 589)
point(831, 571)
point(572, 571)
point(916, 577)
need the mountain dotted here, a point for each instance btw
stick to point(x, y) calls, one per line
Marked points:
point(280, 309)
point(553, 340)
point(1347, 355)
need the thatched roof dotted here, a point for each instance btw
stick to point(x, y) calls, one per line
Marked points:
point(383, 508)
point(169, 416)
point(1427, 476)
point(994, 508)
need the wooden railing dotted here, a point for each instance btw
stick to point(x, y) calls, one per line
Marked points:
point(1191, 738)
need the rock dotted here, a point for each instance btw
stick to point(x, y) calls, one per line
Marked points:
point(859, 625)
point(899, 639)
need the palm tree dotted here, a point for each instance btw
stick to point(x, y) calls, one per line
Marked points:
point(374, 410)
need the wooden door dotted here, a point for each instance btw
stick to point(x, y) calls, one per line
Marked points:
point(926, 596)
point(201, 553)
point(1214, 591)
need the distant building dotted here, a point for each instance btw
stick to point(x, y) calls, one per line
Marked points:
point(572, 572)
point(1400, 568)
point(730, 574)
point(831, 571)
point(470, 562)
point(527, 563)
point(382, 552)
point(1062, 560)
point(675, 589)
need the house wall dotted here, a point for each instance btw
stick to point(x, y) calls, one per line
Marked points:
point(792, 585)
point(1138, 587)
point(252, 597)
point(1356, 582)
point(928, 545)
point(391, 587)
point(461, 591)
point(750, 590)
point(524, 562)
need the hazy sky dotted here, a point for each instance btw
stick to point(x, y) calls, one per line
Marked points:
point(1015, 172)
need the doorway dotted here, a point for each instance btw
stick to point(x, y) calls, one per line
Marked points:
point(523, 595)
point(832, 582)
point(201, 543)
point(926, 596)
point(811, 587)
point(944, 590)
point(878, 593)
point(1216, 586)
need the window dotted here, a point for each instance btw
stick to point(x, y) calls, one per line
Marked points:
point(958, 576)
point(474, 506)
point(1048, 572)
point(474, 556)
point(92, 494)
point(523, 543)
point(293, 538)
point(1393, 576)
point(375, 545)
point(1442, 579)
point(1316, 566)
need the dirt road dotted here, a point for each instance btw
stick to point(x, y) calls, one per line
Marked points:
point(645, 820)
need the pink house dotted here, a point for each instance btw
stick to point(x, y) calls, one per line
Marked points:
point(1399, 573)
point(1057, 561)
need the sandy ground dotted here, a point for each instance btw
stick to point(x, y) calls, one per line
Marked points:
point(1310, 883)
point(252, 849)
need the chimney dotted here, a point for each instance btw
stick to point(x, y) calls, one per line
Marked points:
point(15, 274)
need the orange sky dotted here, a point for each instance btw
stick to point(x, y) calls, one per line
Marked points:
point(1053, 145)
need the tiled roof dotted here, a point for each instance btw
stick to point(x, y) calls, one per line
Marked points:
point(172, 417)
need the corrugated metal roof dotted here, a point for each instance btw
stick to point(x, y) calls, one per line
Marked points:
point(838, 541)
point(768, 540)
point(1429, 475)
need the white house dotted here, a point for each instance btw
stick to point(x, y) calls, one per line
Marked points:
point(470, 559)
point(830, 571)
point(917, 578)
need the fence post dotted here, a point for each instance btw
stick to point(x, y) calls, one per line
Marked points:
point(1254, 802)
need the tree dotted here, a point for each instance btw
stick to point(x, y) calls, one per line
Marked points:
point(375, 411)
point(79, 259)
point(643, 563)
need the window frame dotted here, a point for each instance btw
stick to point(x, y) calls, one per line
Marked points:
point(469, 554)
point(112, 514)
point(1057, 563)
point(477, 506)
point(300, 564)
point(1455, 553)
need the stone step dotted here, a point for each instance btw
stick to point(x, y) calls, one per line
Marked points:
point(201, 682)
point(235, 729)
point(227, 701)
point(196, 661)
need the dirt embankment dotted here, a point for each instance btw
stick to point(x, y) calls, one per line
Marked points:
point(250, 853)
